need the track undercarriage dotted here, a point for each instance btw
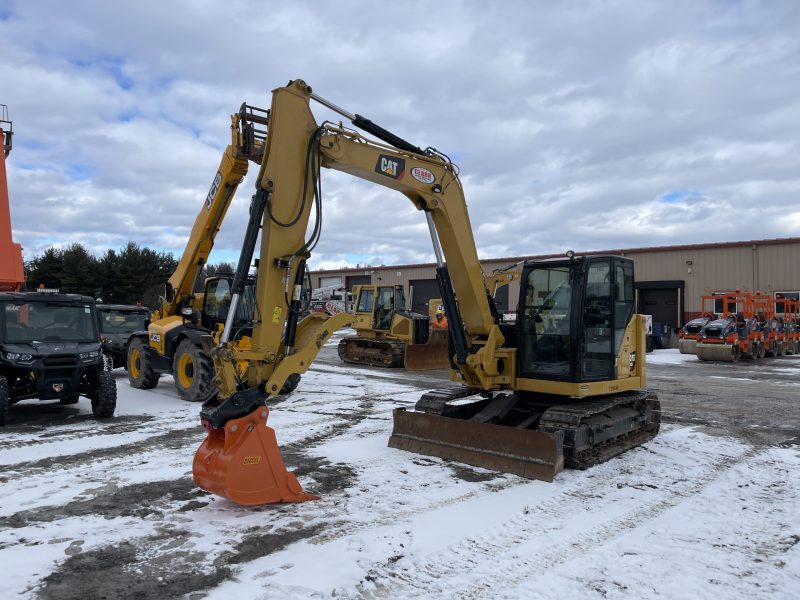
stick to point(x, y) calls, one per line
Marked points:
point(534, 436)
point(373, 352)
point(384, 352)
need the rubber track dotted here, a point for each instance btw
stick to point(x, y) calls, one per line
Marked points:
point(568, 417)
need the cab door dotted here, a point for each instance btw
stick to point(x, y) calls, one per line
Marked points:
point(365, 306)
point(384, 308)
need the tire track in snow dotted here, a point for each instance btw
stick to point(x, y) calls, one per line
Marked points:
point(443, 574)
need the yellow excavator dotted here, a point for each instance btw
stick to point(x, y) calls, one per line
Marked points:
point(563, 385)
point(390, 335)
point(173, 342)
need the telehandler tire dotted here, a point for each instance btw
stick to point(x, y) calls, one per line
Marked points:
point(104, 396)
point(193, 372)
point(140, 372)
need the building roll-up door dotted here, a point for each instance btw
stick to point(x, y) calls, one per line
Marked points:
point(421, 291)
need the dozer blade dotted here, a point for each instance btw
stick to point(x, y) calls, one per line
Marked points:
point(242, 462)
point(431, 355)
point(531, 454)
point(718, 352)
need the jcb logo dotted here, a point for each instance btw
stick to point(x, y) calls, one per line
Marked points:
point(213, 191)
point(155, 338)
point(251, 460)
point(391, 166)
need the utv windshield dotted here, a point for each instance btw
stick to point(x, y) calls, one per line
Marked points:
point(47, 322)
point(118, 321)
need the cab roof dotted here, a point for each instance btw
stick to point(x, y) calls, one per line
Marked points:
point(19, 297)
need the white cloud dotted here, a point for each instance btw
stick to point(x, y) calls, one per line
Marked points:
point(572, 122)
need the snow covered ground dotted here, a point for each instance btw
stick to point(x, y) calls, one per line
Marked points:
point(107, 509)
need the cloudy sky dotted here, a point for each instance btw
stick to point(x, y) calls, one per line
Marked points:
point(583, 125)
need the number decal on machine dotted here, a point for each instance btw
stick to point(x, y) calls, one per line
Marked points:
point(276, 314)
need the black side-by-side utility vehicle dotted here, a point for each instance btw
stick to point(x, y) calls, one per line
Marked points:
point(118, 323)
point(50, 349)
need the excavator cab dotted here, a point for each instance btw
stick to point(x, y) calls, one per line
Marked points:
point(572, 318)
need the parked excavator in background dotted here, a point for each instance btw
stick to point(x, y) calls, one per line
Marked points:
point(172, 343)
point(388, 334)
point(564, 385)
point(12, 271)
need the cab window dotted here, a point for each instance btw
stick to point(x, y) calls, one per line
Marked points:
point(365, 300)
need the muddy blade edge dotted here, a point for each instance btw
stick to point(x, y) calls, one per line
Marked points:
point(523, 452)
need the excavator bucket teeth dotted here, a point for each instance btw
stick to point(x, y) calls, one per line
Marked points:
point(523, 452)
point(431, 355)
point(242, 462)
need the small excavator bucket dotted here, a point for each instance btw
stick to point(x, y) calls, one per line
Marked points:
point(242, 462)
point(431, 355)
point(523, 452)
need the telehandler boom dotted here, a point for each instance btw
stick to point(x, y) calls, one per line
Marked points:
point(173, 342)
point(562, 385)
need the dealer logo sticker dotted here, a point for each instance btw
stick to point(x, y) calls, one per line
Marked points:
point(391, 166)
point(57, 387)
point(422, 175)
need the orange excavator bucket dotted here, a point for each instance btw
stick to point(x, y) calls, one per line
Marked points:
point(242, 462)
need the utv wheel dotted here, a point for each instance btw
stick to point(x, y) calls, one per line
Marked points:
point(140, 372)
point(4, 401)
point(193, 372)
point(71, 399)
point(291, 384)
point(104, 398)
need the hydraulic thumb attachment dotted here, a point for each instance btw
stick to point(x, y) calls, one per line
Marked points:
point(240, 459)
